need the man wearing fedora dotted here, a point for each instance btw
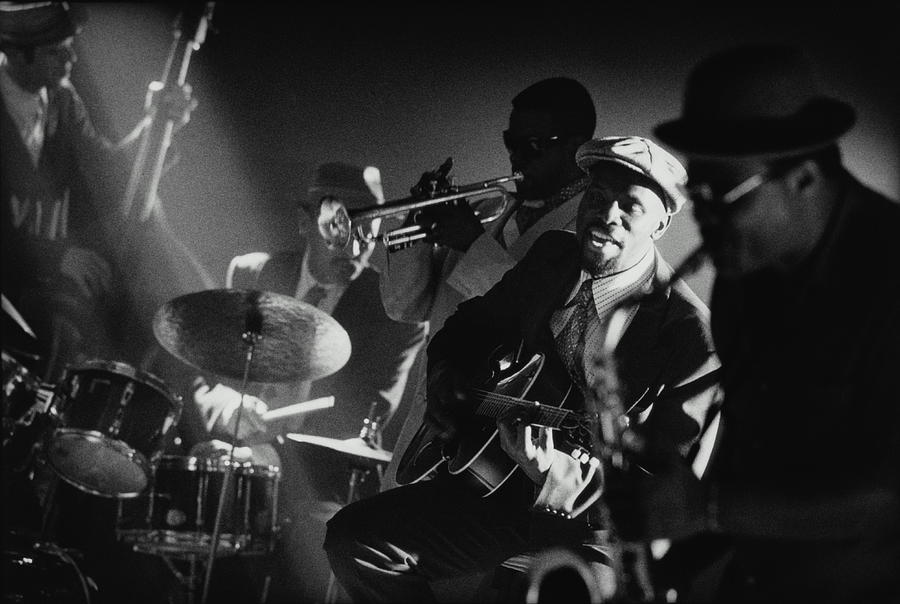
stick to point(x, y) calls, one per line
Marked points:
point(558, 302)
point(802, 496)
point(315, 481)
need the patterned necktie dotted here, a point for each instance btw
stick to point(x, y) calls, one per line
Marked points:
point(570, 340)
point(314, 295)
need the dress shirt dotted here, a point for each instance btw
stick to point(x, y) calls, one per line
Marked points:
point(608, 293)
point(28, 111)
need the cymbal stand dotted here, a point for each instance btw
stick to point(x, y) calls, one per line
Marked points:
point(252, 334)
point(371, 434)
point(187, 582)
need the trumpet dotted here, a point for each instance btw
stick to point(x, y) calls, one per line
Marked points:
point(338, 226)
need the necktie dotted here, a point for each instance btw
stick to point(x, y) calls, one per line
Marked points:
point(570, 340)
point(314, 295)
point(34, 139)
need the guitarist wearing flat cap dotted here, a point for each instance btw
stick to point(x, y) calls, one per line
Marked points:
point(501, 465)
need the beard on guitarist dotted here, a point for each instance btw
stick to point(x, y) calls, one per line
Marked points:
point(501, 466)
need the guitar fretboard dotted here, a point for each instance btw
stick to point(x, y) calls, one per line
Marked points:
point(494, 405)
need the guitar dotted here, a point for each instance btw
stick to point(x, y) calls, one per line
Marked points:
point(475, 454)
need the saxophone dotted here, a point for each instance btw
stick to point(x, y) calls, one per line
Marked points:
point(630, 560)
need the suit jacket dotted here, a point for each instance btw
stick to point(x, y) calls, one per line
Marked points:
point(811, 411)
point(383, 350)
point(667, 365)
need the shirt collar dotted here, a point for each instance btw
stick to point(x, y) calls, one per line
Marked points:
point(557, 199)
point(17, 98)
point(622, 283)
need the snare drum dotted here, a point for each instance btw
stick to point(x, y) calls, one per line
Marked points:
point(178, 514)
point(113, 424)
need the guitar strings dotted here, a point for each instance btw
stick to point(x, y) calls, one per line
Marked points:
point(494, 402)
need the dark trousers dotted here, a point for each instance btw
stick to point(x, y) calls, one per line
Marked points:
point(389, 547)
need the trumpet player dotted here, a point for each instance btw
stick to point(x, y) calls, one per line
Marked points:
point(549, 120)
point(557, 301)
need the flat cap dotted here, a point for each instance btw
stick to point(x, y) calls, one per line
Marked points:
point(641, 155)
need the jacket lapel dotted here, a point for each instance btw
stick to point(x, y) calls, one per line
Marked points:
point(640, 354)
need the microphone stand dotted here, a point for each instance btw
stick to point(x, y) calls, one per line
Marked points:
point(251, 336)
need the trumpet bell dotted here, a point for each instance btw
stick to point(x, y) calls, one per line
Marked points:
point(334, 224)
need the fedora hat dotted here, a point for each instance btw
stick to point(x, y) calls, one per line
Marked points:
point(755, 101)
point(37, 23)
point(354, 185)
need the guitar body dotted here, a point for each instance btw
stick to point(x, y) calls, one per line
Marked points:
point(476, 455)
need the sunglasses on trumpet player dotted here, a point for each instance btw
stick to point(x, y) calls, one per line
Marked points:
point(532, 145)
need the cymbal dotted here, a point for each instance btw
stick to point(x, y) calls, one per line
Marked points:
point(297, 341)
point(352, 446)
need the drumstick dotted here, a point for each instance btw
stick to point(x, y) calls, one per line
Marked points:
point(9, 309)
point(298, 408)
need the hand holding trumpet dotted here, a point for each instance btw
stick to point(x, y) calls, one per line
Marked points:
point(435, 211)
point(453, 225)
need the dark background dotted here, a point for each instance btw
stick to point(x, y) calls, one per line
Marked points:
point(283, 87)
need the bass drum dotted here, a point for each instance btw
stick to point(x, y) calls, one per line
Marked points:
point(43, 573)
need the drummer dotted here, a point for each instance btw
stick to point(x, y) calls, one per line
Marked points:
point(366, 390)
point(341, 284)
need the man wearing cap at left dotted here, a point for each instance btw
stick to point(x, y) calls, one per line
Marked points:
point(61, 180)
point(389, 547)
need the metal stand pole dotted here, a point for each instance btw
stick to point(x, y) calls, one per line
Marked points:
point(356, 476)
point(251, 336)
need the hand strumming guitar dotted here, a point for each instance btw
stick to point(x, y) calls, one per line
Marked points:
point(568, 485)
point(531, 447)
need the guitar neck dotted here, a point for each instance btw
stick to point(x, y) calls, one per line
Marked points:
point(495, 405)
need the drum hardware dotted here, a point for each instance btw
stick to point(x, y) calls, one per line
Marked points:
point(24, 397)
point(282, 340)
point(42, 572)
point(364, 457)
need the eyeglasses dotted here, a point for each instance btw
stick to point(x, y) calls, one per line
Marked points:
point(702, 193)
point(527, 144)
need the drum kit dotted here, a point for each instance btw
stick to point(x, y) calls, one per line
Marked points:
point(103, 428)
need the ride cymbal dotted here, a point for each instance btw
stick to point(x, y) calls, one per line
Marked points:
point(296, 341)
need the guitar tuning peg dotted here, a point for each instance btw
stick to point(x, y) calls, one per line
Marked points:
point(594, 462)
